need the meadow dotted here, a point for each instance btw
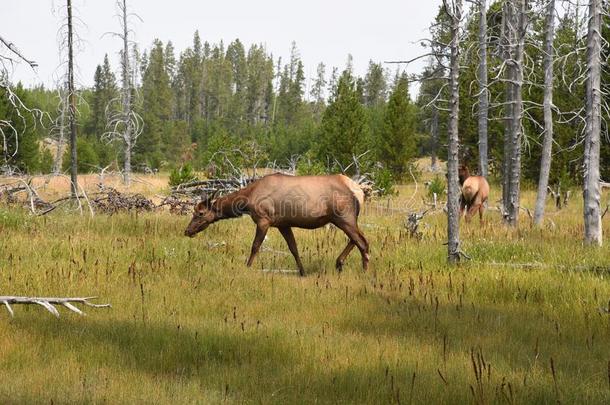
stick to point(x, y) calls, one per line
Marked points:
point(521, 322)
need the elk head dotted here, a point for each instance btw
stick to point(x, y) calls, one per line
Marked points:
point(463, 173)
point(203, 216)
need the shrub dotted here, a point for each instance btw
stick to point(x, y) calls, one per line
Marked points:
point(436, 186)
point(181, 175)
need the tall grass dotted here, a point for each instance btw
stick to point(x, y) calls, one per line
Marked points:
point(519, 323)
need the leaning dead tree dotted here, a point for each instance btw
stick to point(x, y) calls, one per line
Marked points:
point(49, 303)
point(125, 124)
point(547, 144)
point(453, 9)
point(591, 182)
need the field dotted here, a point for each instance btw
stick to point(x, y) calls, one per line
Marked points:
point(519, 323)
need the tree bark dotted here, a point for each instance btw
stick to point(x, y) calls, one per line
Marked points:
point(506, 39)
point(547, 144)
point(72, 105)
point(126, 99)
point(483, 93)
point(453, 189)
point(59, 156)
point(434, 151)
point(517, 27)
point(591, 183)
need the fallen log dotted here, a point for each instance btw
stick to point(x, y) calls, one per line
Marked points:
point(48, 303)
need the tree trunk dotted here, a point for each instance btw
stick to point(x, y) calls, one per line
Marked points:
point(547, 144)
point(59, 156)
point(483, 93)
point(453, 189)
point(72, 106)
point(508, 108)
point(517, 24)
point(434, 151)
point(126, 98)
point(591, 183)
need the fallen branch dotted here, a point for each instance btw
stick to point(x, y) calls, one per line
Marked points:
point(48, 303)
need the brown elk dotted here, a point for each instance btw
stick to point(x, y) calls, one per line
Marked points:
point(283, 202)
point(475, 191)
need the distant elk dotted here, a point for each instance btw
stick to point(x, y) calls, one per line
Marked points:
point(283, 202)
point(475, 191)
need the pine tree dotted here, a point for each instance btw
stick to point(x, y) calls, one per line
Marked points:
point(398, 144)
point(344, 129)
point(157, 108)
point(375, 85)
point(104, 92)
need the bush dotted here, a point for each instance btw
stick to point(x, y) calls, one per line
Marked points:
point(184, 174)
point(87, 160)
point(383, 181)
point(310, 167)
point(436, 186)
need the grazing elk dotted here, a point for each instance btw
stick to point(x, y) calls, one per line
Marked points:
point(475, 191)
point(283, 202)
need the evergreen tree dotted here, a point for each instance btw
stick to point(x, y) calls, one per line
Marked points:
point(157, 108)
point(375, 85)
point(344, 129)
point(105, 90)
point(398, 143)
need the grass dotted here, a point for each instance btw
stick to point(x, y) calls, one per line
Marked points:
point(519, 323)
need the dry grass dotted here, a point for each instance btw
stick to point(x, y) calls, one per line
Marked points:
point(191, 324)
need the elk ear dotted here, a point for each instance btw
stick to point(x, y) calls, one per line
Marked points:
point(201, 206)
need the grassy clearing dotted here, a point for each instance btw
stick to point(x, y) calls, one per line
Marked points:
point(190, 324)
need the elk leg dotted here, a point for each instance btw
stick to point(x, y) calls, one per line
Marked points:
point(358, 239)
point(462, 205)
point(261, 231)
point(471, 211)
point(481, 209)
point(343, 255)
point(292, 245)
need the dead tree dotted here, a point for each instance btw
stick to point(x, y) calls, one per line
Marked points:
point(454, 11)
point(515, 24)
point(547, 144)
point(58, 130)
point(591, 183)
point(125, 125)
point(483, 91)
point(72, 104)
point(49, 303)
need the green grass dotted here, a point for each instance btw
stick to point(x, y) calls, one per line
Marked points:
point(191, 324)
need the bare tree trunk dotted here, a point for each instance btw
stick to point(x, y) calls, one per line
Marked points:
point(453, 189)
point(517, 24)
point(61, 139)
point(72, 105)
point(434, 151)
point(508, 108)
point(483, 95)
point(591, 186)
point(126, 96)
point(547, 144)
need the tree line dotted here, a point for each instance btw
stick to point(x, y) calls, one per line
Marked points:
point(216, 96)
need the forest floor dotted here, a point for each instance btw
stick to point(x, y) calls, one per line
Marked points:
point(521, 322)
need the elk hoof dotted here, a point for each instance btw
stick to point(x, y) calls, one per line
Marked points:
point(339, 266)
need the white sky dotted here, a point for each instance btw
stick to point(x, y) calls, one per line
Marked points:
point(325, 31)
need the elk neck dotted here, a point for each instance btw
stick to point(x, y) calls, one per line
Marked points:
point(231, 205)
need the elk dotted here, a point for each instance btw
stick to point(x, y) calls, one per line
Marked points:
point(285, 202)
point(475, 191)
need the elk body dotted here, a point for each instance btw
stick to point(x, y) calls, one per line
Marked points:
point(475, 191)
point(285, 202)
